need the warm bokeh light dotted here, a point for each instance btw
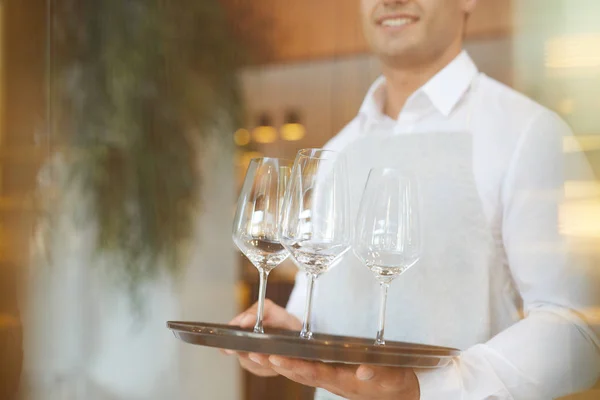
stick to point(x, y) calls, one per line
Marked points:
point(582, 190)
point(573, 51)
point(580, 214)
point(581, 219)
point(588, 143)
point(241, 137)
point(293, 132)
point(566, 106)
point(264, 134)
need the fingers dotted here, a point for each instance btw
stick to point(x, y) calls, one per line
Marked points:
point(311, 373)
point(260, 359)
point(246, 320)
point(256, 364)
point(242, 317)
point(346, 381)
point(226, 352)
point(279, 317)
point(249, 316)
point(274, 316)
point(296, 370)
point(335, 379)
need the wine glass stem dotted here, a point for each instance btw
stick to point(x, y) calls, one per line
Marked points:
point(262, 291)
point(306, 332)
point(384, 291)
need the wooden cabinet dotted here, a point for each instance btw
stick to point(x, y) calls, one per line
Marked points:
point(292, 31)
point(22, 125)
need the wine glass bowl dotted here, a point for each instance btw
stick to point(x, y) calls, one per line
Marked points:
point(315, 225)
point(256, 228)
point(387, 237)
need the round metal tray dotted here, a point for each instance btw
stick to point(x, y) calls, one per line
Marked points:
point(326, 348)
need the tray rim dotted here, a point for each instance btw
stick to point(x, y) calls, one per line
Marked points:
point(336, 341)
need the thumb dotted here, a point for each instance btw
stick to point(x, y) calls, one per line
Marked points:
point(278, 317)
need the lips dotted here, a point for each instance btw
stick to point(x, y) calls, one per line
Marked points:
point(396, 20)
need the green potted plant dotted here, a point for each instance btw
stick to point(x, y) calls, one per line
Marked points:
point(136, 88)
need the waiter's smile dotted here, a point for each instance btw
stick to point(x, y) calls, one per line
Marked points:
point(396, 22)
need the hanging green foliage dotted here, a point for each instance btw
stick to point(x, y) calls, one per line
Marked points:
point(137, 88)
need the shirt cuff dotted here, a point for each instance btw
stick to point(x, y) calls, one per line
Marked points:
point(441, 383)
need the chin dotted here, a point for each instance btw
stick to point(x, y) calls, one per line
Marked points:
point(397, 47)
point(402, 51)
point(400, 57)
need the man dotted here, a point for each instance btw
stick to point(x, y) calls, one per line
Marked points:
point(510, 297)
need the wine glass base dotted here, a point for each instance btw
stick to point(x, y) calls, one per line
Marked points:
point(306, 335)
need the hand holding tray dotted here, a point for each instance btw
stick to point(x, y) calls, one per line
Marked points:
point(326, 348)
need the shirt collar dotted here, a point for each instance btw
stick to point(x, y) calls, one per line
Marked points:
point(443, 91)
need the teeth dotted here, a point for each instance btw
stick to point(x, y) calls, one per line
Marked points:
point(396, 22)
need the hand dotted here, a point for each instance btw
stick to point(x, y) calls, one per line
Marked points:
point(362, 383)
point(274, 316)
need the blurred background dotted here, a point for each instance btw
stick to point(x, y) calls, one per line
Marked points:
point(278, 76)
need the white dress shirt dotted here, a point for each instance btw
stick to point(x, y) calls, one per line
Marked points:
point(496, 279)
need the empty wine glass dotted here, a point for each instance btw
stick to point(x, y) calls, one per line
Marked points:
point(315, 225)
point(256, 227)
point(388, 231)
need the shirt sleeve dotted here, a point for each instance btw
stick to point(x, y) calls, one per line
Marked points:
point(554, 350)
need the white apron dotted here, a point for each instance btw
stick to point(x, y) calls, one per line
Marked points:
point(449, 297)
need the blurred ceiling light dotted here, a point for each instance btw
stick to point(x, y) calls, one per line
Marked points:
point(582, 190)
point(566, 106)
point(580, 213)
point(292, 130)
point(241, 137)
point(580, 218)
point(575, 144)
point(573, 51)
point(264, 132)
